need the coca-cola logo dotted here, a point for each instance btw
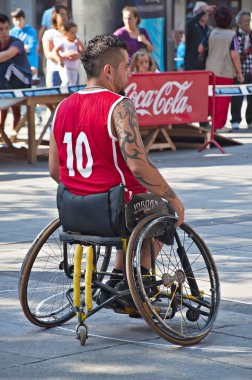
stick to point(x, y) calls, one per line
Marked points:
point(170, 98)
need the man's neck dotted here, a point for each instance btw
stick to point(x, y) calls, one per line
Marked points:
point(93, 82)
point(97, 82)
point(4, 43)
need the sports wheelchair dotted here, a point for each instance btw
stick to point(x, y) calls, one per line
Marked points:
point(178, 299)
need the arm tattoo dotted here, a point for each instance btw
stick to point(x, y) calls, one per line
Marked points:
point(169, 193)
point(130, 136)
point(144, 182)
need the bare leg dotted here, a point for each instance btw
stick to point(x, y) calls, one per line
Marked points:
point(118, 264)
point(16, 115)
point(3, 115)
point(146, 255)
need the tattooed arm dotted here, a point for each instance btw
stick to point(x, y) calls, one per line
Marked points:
point(125, 123)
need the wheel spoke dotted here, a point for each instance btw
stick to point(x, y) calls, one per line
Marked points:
point(185, 306)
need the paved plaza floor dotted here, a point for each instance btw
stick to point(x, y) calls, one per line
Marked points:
point(217, 192)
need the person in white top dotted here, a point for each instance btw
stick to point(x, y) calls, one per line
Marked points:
point(68, 53)
point(52, 38)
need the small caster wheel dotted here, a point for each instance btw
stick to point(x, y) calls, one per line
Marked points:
point(82, 335)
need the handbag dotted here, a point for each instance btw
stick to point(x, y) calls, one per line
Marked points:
point(100, 214)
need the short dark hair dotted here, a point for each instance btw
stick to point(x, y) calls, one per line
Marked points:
point(102, 50)
point(68, 25)
point(4, 18)
point(18, 13)
point(223, 17)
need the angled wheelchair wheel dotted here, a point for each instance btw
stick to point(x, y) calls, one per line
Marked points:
point(46, 276)
point(180, 298)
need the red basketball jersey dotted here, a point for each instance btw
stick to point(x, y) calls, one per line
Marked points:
point(90, 158)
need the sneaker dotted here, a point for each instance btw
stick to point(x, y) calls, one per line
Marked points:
point(222, 130)
point(103, 295)
point(120, 287)
point(234, 127)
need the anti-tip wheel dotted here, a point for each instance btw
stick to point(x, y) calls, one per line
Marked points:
point(82, 335)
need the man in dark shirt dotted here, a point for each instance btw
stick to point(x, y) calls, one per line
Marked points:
point(196, 30)
point(15, 71)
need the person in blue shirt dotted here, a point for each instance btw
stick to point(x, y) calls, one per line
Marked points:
point(180, 56)
point(28, 35)
point(15, 70)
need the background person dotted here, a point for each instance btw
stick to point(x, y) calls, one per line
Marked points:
point(135, 37)
point(114, 151)
point(46, 21)
point(52, 38)
point(196, 31)
point(244, 36)
point(223, 60)
point(142, 62)
point(15, 70)
point(180, 53)
point(68, 52)
point(28, 35)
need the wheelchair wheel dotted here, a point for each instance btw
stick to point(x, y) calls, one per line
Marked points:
point(180, 298)
point(46, 276)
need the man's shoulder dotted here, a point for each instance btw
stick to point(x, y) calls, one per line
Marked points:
point(15, 41)
point(79, 96)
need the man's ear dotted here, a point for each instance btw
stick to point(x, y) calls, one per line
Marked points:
point(107, 70)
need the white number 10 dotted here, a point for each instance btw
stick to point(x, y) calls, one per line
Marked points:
point(81, 139)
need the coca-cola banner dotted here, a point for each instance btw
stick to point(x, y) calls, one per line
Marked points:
point(170, 97)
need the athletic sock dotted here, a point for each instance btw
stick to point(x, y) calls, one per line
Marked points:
point(144, 271)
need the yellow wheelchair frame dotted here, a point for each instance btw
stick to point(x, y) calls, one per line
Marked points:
point(178, 299)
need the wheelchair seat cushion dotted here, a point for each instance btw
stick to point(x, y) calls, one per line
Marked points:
point(97, 214)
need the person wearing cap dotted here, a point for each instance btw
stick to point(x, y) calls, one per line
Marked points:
point(28, 35)
point(196, 31)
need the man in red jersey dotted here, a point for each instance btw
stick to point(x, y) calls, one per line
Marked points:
point(106, 125)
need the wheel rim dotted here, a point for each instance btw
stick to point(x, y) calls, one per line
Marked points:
point(45, 278)
point(171, 308)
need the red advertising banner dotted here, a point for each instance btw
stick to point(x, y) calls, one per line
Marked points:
point(170, 97)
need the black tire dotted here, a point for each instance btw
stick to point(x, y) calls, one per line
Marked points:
point(45, 277)
point(180, 299)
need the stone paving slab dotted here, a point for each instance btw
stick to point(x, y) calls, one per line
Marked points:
point(217, 192)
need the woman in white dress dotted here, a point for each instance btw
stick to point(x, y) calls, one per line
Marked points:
point(52, 38)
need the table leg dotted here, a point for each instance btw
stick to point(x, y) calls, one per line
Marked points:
point(32, 145)
point(6, 138)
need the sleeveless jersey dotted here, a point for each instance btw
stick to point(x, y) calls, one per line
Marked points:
point(90, 158)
